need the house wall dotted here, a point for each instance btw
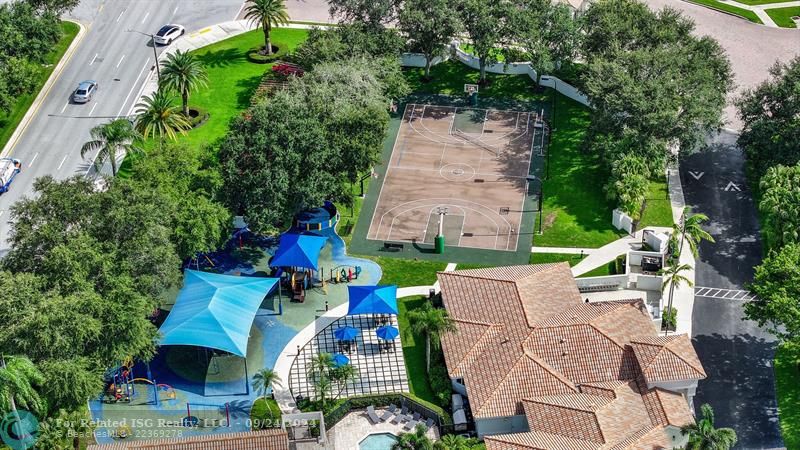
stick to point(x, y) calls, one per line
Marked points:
point(686, 387)
point(501, 425)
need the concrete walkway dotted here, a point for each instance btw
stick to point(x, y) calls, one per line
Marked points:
point(606, 253)
point(683, 297)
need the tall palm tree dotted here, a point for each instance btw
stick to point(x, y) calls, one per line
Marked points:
point(673, 277)
point(416, 440)
point(320, 365)
point(691, 231)
point(703, 435)
point(158, 117)
point(453, 442)
point(182, 72)
point(109, 140)
point(343, 375)
point(266, 14)
point(264, 380)
point(432, 323)
point(18, 376)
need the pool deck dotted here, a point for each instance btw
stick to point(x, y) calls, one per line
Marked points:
point(355, 426)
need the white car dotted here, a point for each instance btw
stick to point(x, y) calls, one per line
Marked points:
point(168, 33)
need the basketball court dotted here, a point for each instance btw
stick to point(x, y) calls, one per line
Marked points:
point(469, 164)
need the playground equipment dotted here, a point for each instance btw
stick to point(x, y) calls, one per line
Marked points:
point(119, 386)
point(207, 415)
point(344, 273)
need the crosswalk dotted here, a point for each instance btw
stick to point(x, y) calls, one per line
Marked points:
point(727, 294)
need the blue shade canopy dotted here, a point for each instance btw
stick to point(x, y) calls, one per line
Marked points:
point(340, 360)
point(215, 311)
point(372, 300)
point(298, 250)
point(387, 333)
point(346, 333)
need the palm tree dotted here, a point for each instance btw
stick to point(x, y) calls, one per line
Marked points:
point(453, 442)
point(158, 117)
point(264, 380)
point(417, 440)
point(266, 14)
point(18, 375)
point(432, 323)
point(691, 231)
point(321, 364)
point(109, 140)
point(182, 72)
point(673, 277)
point(343, 375)
point(703, 435)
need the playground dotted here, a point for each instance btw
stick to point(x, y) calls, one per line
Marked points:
point(189, 390)
point(467, 167)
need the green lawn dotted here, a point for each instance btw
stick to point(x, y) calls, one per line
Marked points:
point(9, 122)
point(658, 209)
point(576, 212)
point(266, 413)
point(787, 380)
point(762, 2)
point(408, 272)
point(783, 16)
point(543, 258)
point(602, 270)
point(414, 351)
point(743, 13)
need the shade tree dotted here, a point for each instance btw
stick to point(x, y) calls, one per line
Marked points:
point(485, 24)
point(430, 25)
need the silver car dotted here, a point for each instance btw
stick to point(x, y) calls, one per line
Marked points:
point(85, 91)
point(168, 33)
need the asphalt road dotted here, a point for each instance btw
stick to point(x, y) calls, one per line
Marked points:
point(119, 61)
point(736, 354)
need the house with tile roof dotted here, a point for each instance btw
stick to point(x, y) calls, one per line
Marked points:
point(543, 369)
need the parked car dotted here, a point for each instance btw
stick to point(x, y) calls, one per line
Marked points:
point(85, 91)
point(169, 33)
point(9, 168)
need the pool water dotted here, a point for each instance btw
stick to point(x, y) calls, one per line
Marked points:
point(378, 441)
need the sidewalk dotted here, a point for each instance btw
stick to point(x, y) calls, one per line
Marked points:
point(760, 10)
point(683, 297)
point(606, 253)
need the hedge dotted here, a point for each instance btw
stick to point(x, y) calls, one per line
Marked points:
point(338, 409)
point(254, 55)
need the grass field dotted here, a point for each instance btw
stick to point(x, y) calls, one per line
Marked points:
point(602, 270)
point(9, 122)
point(787, 380)
point(414, 350)
point(743, 13)
point(783, 16)
point(408, 272)
point(658, 209)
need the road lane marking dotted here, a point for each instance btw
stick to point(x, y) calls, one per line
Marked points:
point(93, 59)
point(33, 159)
point(62, 162)
point(146, 16)
point(64, 108)
point(696, 175)
point(132, 88)
point(732, 187)
point(120, 15)
point(120, 61)
point(92, 110)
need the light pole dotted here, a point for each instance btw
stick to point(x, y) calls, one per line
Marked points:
point(155, 53)
point(540, 198)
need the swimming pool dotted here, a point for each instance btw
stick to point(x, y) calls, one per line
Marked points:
point(378, 441)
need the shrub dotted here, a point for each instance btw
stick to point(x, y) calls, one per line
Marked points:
point(279, 50)
point(197, 116)
point(619, 265)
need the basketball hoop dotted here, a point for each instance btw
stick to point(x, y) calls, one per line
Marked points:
point(470, 89)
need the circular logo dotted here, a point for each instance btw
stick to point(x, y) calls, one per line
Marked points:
point(19, 430)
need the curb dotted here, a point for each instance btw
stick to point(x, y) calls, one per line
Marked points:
point(37, 102)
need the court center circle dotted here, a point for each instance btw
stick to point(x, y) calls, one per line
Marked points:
point(457, 172)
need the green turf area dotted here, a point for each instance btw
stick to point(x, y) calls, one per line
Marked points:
point(408, 272)
point(543, 258)
point(743, 13)
point(497, 53)
point(787, 380)
point(414, 350)
point(576, 212)
point(657, 208)
point(762, 2)
point(602, 270)
point(783, 16)
point(265, 413)
point(9, 122)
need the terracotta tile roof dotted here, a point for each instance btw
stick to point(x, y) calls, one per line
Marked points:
point(537, 440)
point(526, 334)
point(667, 358)
point(274, 439)
point(654, 438)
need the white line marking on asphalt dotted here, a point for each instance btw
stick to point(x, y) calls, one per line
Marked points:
point(64, 108)
point(133, 87)
point(120, 60)
point(145, 16)
point(33, 159)
point(93, 59)
point(120, 15)
point(62, 162)
point(92, 110)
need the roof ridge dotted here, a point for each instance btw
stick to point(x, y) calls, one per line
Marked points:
point(474, 277)
point(543, 364)
point(685, 361)
point(666, 347)
point(489, 329)
point(477, 322)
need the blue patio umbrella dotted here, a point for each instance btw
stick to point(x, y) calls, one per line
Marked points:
point(372, 300)
point(345, 333)
point(387, 333)
point(340, 360)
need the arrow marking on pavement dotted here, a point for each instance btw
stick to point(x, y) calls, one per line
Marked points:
point(732, 187)
point(696, 175)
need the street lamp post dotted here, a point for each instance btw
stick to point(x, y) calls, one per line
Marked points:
point(155, 53)
point(541, 196)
